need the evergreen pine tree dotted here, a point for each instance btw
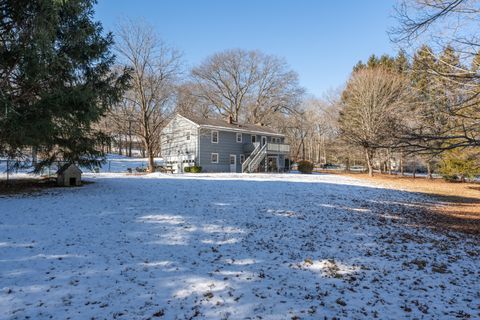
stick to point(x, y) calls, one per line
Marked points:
point(56, 80)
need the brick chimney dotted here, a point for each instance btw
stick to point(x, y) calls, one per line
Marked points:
point(229, 119)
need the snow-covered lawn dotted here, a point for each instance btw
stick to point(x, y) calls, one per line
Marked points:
point(229, 246)
point(113, 163)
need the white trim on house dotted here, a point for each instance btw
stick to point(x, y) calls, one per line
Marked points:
point(233, 166)
point(263, 140)
point(211, 157)
point(237, 135)
point(211, 136)
point(198, 146)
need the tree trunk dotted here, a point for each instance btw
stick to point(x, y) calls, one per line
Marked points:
point(414, 169)
point(401, 166)
point(369, 158)
point(151, 162)
point(130, 138)
point(303, 149)
point(389, 162)
point(119, 146)
point(429, 170)
point(149, 152)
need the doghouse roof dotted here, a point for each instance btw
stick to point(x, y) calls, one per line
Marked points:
point(66, 166)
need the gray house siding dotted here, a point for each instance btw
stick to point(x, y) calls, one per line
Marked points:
point(175, 145)
point(226, 146)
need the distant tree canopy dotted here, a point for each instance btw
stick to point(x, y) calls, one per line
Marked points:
point(448, 80)
point(247, 85)
point(55, 79)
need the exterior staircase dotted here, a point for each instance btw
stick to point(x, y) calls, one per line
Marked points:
point(256, 157)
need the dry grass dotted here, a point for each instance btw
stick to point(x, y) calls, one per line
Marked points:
point(455, 206)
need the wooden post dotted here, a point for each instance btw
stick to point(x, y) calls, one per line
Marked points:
point(8, 169)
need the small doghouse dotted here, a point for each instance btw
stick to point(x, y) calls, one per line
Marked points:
point(69, 175)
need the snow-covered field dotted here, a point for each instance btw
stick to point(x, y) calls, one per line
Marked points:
point(113, 163)
point(228, 246)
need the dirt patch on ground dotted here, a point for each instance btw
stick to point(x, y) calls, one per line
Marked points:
point(454, 206)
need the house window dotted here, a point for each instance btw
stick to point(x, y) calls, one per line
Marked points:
point(242, 158)
point(214, 157)
point(214, 136)
point(254, 138)
point(188, 135)
point(239, 137)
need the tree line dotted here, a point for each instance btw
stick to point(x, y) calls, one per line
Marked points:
point(425, 106)
point(420, 109)
point(68, 90)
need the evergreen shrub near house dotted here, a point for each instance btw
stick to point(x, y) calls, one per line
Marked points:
point(195, 169)
point(187, 169)
point(305, 166)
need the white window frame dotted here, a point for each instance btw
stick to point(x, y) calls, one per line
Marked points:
point(211, 136)
point(187, 136)
point(239, 134)
point(242, 158)
point(253, 138)
point(211, 157)
point(261, 140)
point(232, 156)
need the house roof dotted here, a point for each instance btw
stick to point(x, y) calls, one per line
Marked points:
point(224, 125)
point(66, 166)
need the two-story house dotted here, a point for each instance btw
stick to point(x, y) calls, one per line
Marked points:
point(222, 145)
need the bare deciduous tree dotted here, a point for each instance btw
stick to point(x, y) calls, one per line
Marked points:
point(373, 106)
point(188, 103)
point(247, 85)
point(155, 70)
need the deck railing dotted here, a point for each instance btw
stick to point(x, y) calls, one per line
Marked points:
point(271, 147)
point(278, 147)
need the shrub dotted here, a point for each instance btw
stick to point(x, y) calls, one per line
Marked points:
point(195, 169)
point(459, 165)
point(187, 169)
point(451, 178)
point(305, 166)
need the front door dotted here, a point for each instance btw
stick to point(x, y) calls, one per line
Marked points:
point(264, 140)
point(233, 163)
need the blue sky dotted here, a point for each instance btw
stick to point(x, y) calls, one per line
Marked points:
point(321, 40)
